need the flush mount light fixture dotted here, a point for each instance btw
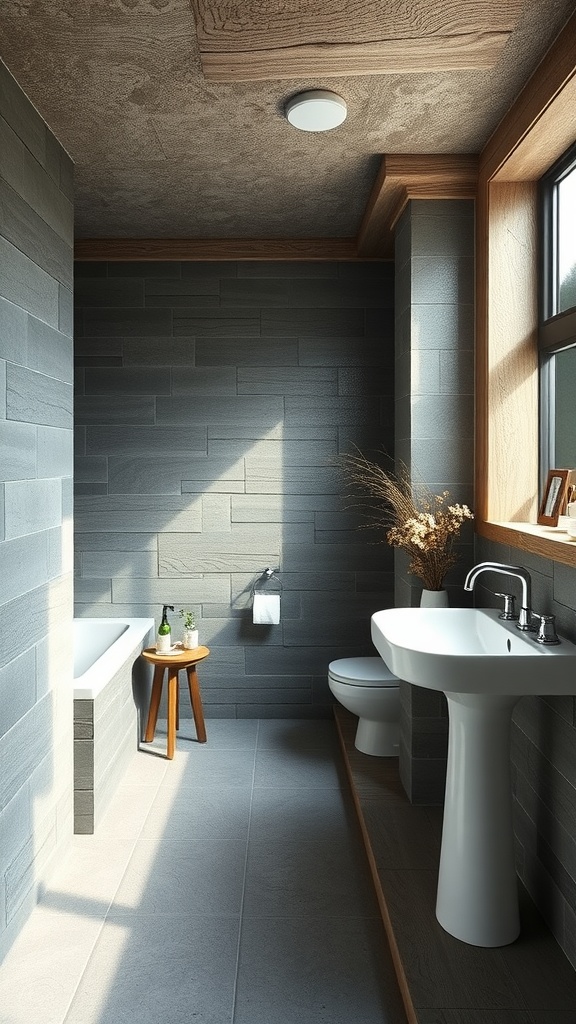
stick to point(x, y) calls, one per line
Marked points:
point(316, 110)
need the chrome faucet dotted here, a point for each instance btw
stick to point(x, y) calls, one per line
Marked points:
point(525, 617)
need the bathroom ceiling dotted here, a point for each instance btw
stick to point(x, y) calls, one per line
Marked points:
point(164, 148)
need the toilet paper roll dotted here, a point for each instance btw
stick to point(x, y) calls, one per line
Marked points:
point(266, 609)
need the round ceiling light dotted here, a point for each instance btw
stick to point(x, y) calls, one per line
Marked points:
point(316, 110)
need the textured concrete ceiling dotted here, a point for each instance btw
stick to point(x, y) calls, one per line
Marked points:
point(160, 152)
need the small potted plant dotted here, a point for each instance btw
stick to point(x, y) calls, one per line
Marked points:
point(190, 633)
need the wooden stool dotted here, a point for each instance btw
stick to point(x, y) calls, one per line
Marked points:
point(174, 662)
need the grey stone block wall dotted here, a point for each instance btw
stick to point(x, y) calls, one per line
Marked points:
point(211, 401)
point(543, 746)
point(36, 373)
point(434, 430)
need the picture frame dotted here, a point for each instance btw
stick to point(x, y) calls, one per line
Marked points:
point(553, 498)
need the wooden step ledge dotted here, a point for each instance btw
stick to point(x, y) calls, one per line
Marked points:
point(443, 980)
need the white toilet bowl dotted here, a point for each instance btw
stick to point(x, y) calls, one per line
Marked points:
point(367, 688)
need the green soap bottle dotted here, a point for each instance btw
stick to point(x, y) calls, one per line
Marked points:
point(164, 637)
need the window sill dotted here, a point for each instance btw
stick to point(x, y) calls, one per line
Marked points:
point(545, 541)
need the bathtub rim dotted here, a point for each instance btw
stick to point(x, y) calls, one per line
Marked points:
point(97, 677)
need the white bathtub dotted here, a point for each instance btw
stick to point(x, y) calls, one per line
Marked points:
point(101, 646)
point(110, 694)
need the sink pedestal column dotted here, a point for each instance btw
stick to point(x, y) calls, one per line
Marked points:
point(477, 886)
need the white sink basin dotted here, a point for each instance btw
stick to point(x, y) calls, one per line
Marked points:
point(471, 650)
point(484, 665)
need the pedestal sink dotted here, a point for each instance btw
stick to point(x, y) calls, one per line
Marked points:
point(484, 665)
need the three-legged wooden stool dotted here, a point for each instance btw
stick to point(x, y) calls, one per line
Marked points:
point(174, 662)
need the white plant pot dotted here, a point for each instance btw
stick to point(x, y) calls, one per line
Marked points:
point(434, 599)
point(190, 639)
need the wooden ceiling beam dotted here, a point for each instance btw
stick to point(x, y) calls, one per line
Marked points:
point(404, 177)
point(388, 57)
point(254, 41)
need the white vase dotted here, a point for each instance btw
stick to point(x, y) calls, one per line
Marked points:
point(190, 639)
point(434, 599)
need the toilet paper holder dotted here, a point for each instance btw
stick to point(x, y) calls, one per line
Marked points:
point(260, 584)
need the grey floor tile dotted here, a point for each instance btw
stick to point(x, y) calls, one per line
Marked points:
point(293, 735)
point(86, 882)
point(191, 877)
point(289, 814)
point(224, 733)
point(147, 768)
point(308, 879)
point(156, 968)
point(203, 768)
point(127, 811)
point(308, 768)
point(40, 973)
point(220, 812)
point(331, 971)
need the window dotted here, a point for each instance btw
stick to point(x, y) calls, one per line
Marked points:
point(533, 135)
point(557, 332)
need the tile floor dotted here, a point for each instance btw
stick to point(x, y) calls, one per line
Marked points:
point(229, 886)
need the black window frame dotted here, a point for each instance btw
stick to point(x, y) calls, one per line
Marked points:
point(556, 331)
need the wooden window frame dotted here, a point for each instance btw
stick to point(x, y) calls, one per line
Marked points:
point(534, 134)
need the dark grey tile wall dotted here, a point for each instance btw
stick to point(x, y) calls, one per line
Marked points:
point(434, 429)
point(543, 753)
point(36, 373)
point(211, 401)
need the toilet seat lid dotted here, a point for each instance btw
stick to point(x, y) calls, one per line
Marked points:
point(362, 672)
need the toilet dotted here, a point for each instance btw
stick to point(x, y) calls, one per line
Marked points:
point(367, 688)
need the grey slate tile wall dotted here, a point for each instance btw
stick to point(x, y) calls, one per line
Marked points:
point(36, 373)
point(543, 745)
point(211, 400)
point(434, 429)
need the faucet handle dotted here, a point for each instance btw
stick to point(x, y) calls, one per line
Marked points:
point(547, 630)
point(509, 611)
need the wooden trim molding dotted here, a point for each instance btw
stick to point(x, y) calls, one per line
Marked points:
point(144, 249)
point(534, 132)
point(539, 126)
point(528, 537)
point(401, 178)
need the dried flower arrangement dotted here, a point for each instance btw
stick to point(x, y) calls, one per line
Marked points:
point(415, 519)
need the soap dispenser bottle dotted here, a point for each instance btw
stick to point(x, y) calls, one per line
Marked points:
point(164, 637)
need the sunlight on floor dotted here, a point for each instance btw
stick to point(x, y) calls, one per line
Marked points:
point(232, 880)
